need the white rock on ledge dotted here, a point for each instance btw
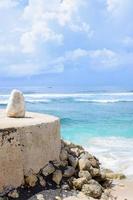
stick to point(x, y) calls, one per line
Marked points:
point(16, 105)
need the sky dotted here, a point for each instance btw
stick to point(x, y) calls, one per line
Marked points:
point(66, 43)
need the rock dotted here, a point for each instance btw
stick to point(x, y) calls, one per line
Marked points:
point(42, 181)
point(13, 194)
point(65, 186)
point(112, 176)
point(69, 172)
point(31, 180)
point(78, 196)
point(107, 171)
point(63, 155)
point(78, 183)
point(62, 144)
point(70, 145)
point(85, 174)
point(95, 172)
point(40, 197)
point(73, 160)
point(58, 198)
point(48, 169)
point(92, 189)
point(57, 176)
point(56, 163)
point(105, 197)
point(75, 151)
point(103, 176)
point(86, 155)
point(84, 164)
point(64, 163)
point(94, 162)
point(16, 105)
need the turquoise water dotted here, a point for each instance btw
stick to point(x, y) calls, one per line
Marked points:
point(101, 122)
point(81, 120)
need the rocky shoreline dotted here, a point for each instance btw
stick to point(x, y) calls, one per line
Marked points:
point(77, 174)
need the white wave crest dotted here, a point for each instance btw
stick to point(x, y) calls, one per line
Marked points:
point(38, 100)
point(104, 100)
point(114, 153)
point(3, 102)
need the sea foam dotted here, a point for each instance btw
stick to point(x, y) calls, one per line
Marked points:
point(115, 153)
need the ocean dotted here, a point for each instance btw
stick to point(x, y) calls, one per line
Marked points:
point(100, 121)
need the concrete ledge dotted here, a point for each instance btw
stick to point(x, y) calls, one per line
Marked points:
point(26, 145)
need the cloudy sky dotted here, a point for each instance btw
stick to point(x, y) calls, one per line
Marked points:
point(66, 42)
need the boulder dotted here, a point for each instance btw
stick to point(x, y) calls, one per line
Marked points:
point(78, 183)
point(31, 180)
point(93, 189)
point(69, 172)
point(85, 174)
point(64, 163)
point(95, 172)
point(63, 155)
point(84, 164)
point(73, 160)
point(75, 151)
point(86, 155)
point(13, 194)
point(94, 162)
point(48, 169)
point(57, 176)
point(42, 181)
point(16, 105)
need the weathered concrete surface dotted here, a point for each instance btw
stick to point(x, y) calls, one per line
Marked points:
point(26, 145)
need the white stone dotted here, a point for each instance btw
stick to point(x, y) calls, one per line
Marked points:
point(16, 105)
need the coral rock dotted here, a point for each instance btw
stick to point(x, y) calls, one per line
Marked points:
point(92, 189)
point(16, 105)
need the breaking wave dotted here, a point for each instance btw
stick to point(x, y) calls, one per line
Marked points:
point(114, 153)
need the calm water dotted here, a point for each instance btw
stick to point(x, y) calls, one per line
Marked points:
point(101, 122)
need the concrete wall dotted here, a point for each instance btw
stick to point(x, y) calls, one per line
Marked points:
point(26, 144)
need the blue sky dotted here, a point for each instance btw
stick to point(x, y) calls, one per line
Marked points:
point(66, 42)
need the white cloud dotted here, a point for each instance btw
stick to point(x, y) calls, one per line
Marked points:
point(30, 68)
point(40, 31)
point(22, 69)
point(113, 5)
point(82, 27)
point(40, 14)
point(120, 9)
point(104, 59)
point(128, 41)
point(101, 58)
point(8, 48)
point(8, 3)
point(45, 31)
